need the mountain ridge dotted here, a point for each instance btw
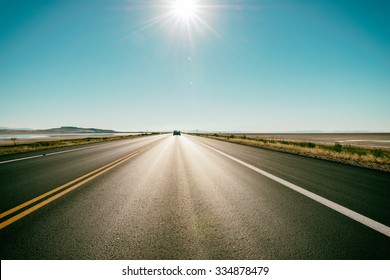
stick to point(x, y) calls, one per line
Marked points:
point(59, 130)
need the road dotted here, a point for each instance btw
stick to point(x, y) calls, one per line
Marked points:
point(186, 197)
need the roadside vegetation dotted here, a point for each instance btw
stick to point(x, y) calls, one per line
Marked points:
point(42, 145)
point(378, 159)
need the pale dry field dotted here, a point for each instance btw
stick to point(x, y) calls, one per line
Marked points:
point(367, 150)
point(366, 140)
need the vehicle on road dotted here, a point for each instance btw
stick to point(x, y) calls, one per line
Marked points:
point(176, 132)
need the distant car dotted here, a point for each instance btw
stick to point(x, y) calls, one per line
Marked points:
point(176, 132)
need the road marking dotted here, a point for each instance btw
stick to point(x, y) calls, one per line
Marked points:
point(67, 151)
point(50, 154)
point(337, 207)
point(11, 160)
point(79, 182)
point(60, 152)
point(25, 204)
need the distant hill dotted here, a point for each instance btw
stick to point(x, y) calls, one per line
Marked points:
point(73, 129)
point(60, 130)
point(9, 128)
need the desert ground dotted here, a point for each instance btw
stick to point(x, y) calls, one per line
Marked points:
point(366, 140)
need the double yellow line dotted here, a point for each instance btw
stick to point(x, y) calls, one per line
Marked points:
point(63, 189)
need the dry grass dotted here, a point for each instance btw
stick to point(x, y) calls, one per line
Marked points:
point(377, 159)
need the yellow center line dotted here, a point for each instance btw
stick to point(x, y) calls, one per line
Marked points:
point(82, 180)
point(21, 206)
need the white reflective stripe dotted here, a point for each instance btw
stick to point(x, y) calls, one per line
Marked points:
point(337, 207)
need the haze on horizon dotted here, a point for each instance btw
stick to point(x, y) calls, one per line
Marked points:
point(212, 65)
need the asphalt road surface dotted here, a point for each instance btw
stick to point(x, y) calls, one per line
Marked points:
point(185, 197)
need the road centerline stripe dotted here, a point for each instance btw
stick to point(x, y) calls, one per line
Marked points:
point(326, 202)
point(31, 201)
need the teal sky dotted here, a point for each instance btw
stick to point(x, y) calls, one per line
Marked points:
point(258, 66)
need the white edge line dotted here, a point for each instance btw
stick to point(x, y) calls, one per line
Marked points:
point(337, 207)
point(49, 154)
point(54, 153)
point(67, 151)
point(17, 159)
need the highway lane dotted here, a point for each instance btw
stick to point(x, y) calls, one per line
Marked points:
point(362, 190)
point(31, 174)
point(182, 200)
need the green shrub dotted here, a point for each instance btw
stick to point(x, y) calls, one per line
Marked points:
point(355, 150)
point(261, 140)
point(305, 144)
point(378, 153)
point(311, 145)
point(337, 147)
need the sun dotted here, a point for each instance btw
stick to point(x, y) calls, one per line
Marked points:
point(184, 9)
point(184, 20)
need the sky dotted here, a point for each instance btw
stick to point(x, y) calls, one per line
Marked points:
point(255, 66)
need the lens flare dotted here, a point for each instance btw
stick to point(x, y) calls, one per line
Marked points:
point(184, 21)
point(184, 9)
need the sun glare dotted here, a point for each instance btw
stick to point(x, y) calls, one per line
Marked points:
point(184, 9)
point(184, 20)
